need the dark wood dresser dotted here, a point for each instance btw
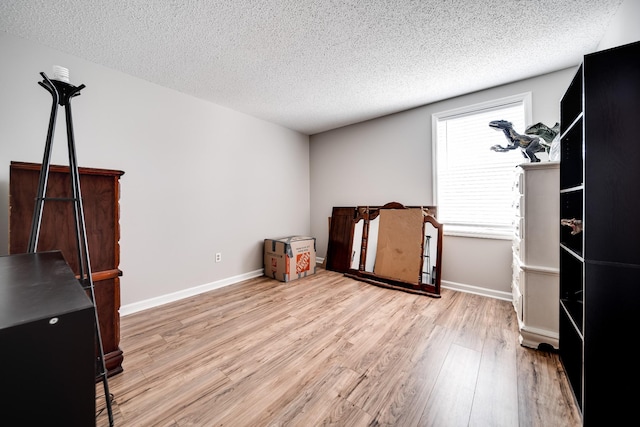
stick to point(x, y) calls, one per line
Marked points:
point(100, 190)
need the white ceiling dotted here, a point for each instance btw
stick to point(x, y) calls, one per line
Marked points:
point(314, 65)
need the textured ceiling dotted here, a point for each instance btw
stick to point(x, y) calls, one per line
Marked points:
point(314, 65)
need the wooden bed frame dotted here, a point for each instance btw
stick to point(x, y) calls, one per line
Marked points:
point(398, 244)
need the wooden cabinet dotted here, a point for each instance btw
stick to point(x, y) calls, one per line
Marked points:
point(535, 253)
point(100, 192)
point(599, 241)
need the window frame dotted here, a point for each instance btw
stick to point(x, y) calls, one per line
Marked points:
point(461, 230)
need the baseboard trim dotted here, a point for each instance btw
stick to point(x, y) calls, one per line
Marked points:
point(491, 293)
point(461, 287)
point(186, 293)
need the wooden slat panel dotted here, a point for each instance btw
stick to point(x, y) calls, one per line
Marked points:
point(340, 239)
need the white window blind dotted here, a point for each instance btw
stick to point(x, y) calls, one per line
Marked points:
point(473, 184)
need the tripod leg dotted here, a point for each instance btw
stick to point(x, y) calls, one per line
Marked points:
point(83, 262)
point(44, 176)
point(86, 278)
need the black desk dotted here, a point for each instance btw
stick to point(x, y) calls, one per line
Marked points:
point(47, 343)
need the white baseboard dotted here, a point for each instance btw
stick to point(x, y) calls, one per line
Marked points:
point(461, 287)
point(491, 293)
point(186, 293)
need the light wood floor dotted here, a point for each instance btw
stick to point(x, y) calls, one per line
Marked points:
point(329, 350)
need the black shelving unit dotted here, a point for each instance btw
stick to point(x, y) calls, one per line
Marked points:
point(600, 263)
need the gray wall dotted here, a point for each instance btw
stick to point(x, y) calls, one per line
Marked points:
point(199, 178)
point(624, 27)
point(389, 159)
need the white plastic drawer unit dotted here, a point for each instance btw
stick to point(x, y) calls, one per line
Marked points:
point(536, 219)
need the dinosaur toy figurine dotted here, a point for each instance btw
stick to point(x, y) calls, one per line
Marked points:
point(529, 144)
point(575, 224)
point(543, 131)
point(551, 137)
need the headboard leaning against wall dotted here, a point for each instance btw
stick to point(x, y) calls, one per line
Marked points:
point(393, 246)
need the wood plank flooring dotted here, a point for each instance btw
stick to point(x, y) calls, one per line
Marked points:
point(328, 350)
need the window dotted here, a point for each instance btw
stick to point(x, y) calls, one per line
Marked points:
point(473, 185)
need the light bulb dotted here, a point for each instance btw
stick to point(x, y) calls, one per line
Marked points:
point(60, 73)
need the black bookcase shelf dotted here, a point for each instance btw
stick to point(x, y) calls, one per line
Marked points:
point(600, 248)
point(571, 151)
point(571, 288)
point(571, 103)
point(571, 208)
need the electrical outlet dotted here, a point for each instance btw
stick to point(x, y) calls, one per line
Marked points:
point(218, 257)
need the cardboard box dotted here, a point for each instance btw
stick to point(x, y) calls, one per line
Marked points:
point(289, 258)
